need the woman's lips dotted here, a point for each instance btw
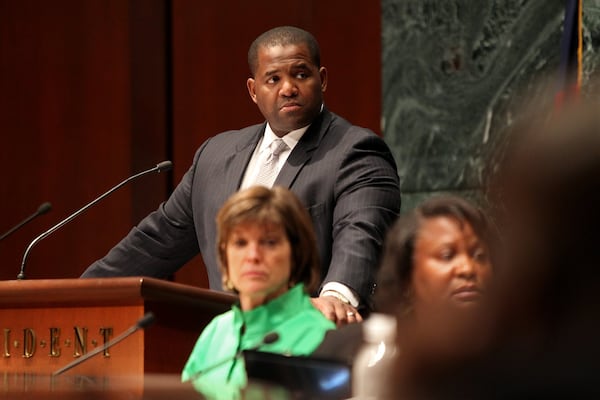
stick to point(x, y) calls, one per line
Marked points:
point(467, 293)
point(254, 274)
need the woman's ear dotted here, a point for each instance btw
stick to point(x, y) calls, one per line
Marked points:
point(227, 284)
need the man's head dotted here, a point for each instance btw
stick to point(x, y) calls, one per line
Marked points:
point(287, 82)
point(283, 36)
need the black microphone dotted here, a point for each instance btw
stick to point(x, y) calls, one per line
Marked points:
point(269, 338)
point(42, 209)
point(144, 322)
point(160, 167)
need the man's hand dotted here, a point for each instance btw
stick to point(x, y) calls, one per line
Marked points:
point(336, 310)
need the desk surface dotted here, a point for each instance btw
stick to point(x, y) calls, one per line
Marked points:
point(148, 387)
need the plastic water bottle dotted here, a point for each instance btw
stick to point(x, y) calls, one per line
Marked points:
point(374, 363)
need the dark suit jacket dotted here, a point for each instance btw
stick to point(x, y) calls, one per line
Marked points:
point(345, 175)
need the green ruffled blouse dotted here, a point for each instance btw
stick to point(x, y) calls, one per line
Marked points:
point(299, 325)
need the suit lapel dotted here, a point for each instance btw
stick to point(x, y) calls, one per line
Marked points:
point(303, 150)
point(236, 163)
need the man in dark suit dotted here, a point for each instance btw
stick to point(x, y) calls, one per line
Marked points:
point(345, 175)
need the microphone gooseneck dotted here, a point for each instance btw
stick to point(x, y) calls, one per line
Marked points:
point(42, 209)
point(142, 323)
point(161, 167)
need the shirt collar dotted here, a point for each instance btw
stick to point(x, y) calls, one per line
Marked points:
point(291, 138)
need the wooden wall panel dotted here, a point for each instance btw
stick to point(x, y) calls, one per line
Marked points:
point(151, 100)
point(67, 115)
point(94, 91)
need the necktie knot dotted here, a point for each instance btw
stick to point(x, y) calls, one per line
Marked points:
point(277, 147)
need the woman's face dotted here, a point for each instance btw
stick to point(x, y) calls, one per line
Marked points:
point(259, 260)
point(451, 265)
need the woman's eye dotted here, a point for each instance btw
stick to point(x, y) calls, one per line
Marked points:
point(446, 254)
point(238, 242)
point(270, 242)
point(480, 255)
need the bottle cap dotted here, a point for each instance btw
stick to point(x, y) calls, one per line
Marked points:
point(379, 327)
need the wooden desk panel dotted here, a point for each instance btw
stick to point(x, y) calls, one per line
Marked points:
point(46, 324)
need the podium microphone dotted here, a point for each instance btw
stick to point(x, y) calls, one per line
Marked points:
point(160, 167)
point(42, 209)
point(144, 322)
point(269, 338)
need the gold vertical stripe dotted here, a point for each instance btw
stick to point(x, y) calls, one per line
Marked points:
point(579, 42)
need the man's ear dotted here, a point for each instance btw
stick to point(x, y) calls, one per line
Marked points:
point(250, 84)
point(323, 75)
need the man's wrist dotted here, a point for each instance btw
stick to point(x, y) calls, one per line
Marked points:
point(337, 295)
point(342, 292)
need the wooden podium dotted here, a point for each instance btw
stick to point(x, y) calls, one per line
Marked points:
point(46, 324)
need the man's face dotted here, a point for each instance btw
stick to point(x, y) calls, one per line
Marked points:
point(287, 87)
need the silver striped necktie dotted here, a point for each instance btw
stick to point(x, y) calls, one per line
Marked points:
point(268, 171)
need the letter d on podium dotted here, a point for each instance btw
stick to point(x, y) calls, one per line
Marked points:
point(28, 343)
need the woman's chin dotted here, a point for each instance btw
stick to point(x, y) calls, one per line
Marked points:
point(258, 289)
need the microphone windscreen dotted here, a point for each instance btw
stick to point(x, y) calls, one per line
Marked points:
point(44, 208)
point(146, 321)
point(164, 166)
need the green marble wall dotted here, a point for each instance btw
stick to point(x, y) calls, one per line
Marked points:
point(452, 74)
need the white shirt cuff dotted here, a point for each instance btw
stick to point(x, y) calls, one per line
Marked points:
point(343, 290)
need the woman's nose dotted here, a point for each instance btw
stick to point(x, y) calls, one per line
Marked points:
point(253, 251)
point(466, 268)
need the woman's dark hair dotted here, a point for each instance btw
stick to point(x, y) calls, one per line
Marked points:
point(547, 191)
